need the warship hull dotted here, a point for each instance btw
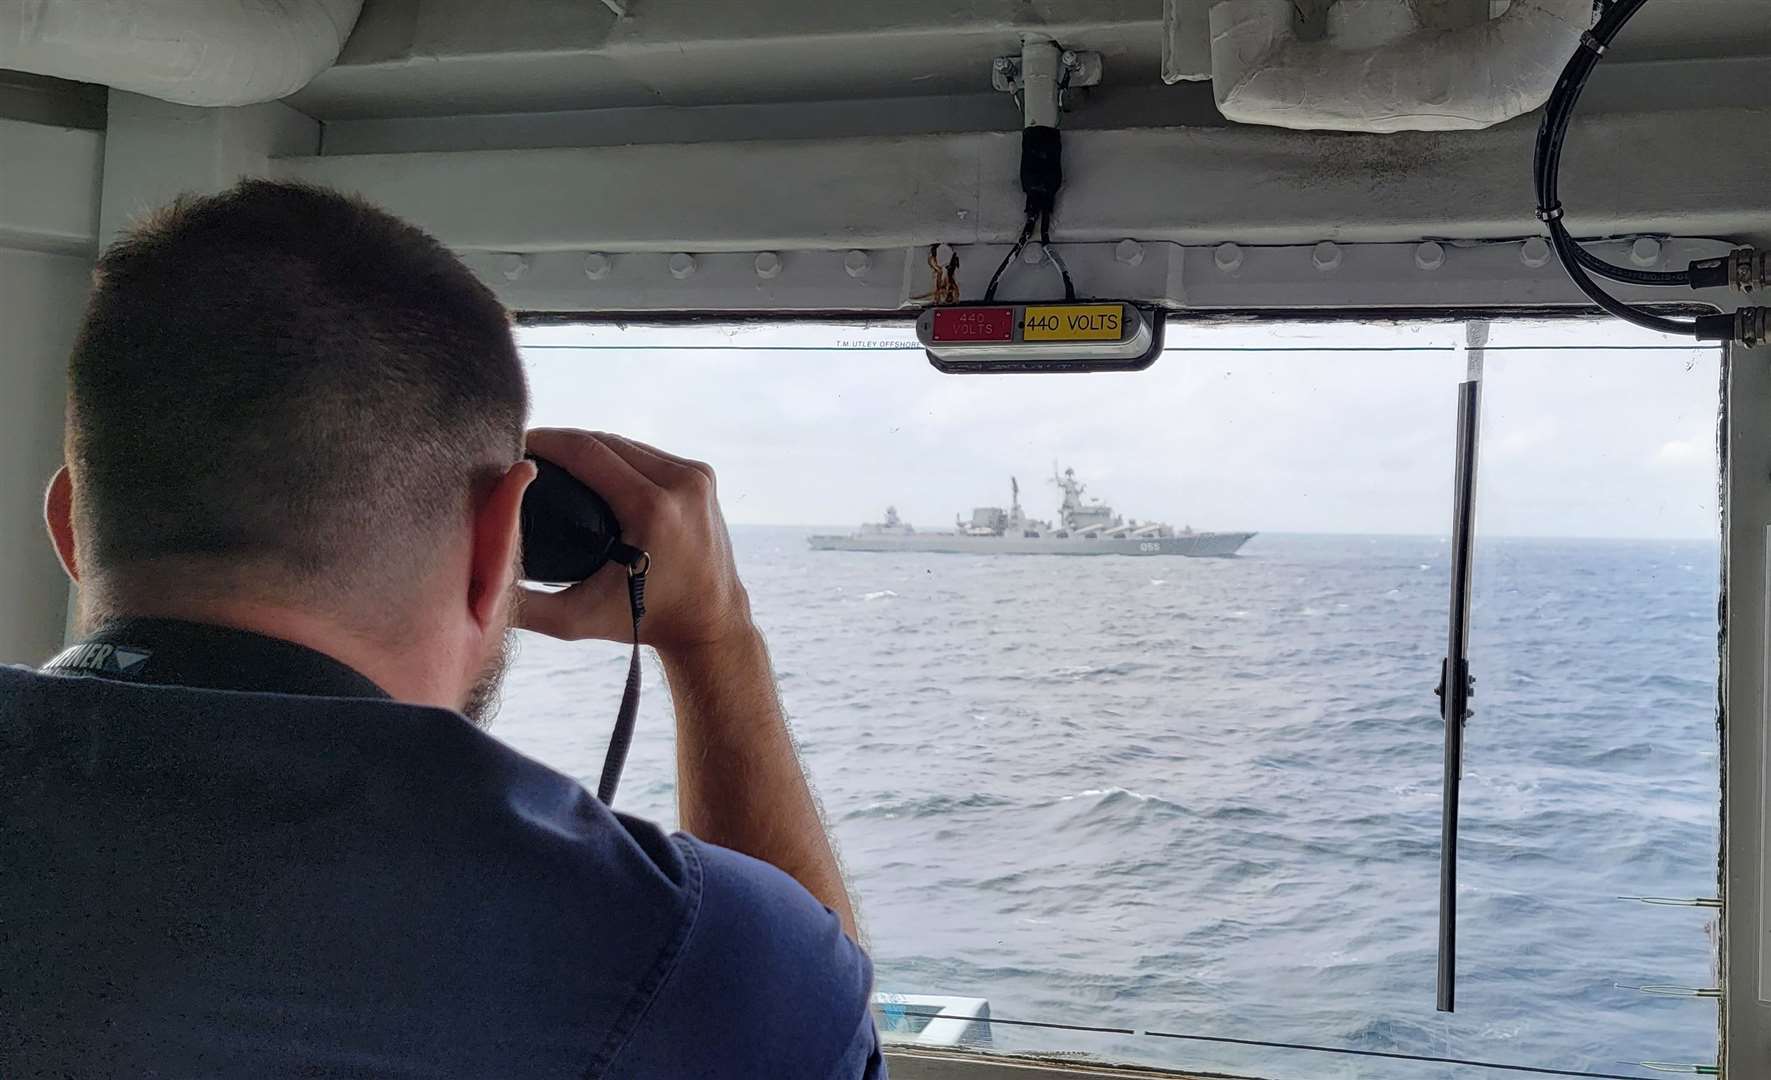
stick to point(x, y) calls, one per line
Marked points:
point(1196, 545)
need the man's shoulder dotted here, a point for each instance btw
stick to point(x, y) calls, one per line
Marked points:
point(417, 867)
point(397, 774)
point(591, 928)
point(399, 769)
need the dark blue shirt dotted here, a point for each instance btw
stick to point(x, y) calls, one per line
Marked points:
point(202, 877)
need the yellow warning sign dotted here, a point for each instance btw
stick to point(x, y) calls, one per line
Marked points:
point(1074, 322)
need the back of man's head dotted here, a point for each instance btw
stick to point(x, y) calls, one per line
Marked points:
point(286, 392)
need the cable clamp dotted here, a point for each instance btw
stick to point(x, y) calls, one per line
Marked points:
point(1553, 213)
point(1749, 270)
point(1754, 326)
point(1589, 41)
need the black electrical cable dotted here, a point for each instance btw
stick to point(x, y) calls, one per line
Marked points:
point(1652, 278)
point(1002, 267)
point(1045, 236)
point(1560, 109)
point(1566, 246)
point(1045, 245)
point(1547, 166)
point(1551, 135)
point(1042, 174)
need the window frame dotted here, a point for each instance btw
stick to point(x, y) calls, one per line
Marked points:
point(1743, 633)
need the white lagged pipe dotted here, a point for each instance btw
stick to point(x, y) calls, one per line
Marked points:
point(194, 52)
point(1421, 79)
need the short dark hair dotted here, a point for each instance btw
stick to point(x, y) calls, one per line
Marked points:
point(284, 377)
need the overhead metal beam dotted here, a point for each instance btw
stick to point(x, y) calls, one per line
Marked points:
point(1208, 278)
point(878, 192)
point(1662, 86)
point(437, 56)
point(1683, 173)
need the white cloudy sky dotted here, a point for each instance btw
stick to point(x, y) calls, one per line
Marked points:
point(1277, 428)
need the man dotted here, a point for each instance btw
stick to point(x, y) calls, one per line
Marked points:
point(245, 828)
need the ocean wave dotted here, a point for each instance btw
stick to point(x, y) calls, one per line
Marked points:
point(1239, 812)
point(1096, 793)
point(1117, 798)
point(924, 806)
point(1512, 905)
point(1678, 684)
point(1612, 757)
point(1087, 672)
point(1393, 1035)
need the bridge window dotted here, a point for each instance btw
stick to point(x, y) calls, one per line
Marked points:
point(1139, 792)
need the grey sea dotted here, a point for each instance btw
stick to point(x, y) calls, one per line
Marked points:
point(1202, 796)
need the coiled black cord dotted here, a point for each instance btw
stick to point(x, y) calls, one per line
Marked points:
point(1546, 169)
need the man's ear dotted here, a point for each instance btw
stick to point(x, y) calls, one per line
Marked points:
point(497, 545)
point(58, 514)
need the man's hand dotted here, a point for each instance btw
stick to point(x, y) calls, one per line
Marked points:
point(739, 781)
point(669, 509)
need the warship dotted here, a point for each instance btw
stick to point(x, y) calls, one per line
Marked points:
point(1085, 527)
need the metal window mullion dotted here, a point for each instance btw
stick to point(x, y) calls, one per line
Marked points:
point(1454, 695)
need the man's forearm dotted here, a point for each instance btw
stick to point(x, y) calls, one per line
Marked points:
point(739, 780)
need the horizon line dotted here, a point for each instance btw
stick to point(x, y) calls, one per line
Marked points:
point(1717, 538)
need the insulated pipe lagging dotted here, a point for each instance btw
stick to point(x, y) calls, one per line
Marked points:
point(193, 52)
point(1422, 80)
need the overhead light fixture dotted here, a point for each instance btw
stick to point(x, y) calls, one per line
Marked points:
point(994, 338)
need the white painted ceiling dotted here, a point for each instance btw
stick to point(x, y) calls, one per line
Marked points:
point(438, 57)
